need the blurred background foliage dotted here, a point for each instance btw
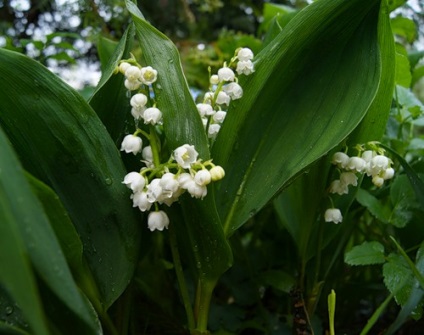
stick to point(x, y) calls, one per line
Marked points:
point(62, 34)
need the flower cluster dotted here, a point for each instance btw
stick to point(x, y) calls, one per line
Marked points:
point(165, 183)
point(159, 183)
point(223, 88)
point(372, 163)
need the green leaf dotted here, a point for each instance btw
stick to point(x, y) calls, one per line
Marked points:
point(106, 48)
point(404, 27)
point(417, 74)
point(374, 205)
point(43, 249)
point(60, 140)
point(278, 279)
point(403, 71)
point(16, 274)
point(367, 253)
point(110, 100)
point(414, 179)
point(403, 200)
point(373, 125)
point(298, 104)
point(393, 4)
point(181, 120)
point(182, 124)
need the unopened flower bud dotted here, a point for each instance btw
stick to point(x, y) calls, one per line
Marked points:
point(217, 173)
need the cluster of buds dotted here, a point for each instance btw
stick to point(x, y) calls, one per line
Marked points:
point(223, 88)
point(372, 163)
point(159, 183)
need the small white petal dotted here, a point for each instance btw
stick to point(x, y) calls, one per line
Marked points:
point(152, 115)
point(185, 155)
point(148, 75)
point(135, 181)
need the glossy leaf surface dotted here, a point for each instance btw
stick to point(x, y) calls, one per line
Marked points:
point(312, 86)
point(61, 141)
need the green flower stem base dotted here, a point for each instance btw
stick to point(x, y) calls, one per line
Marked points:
point(203, 299)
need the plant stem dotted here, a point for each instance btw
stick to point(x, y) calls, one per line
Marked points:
point(203, 300)
point(180, 277)
point(376, 315)
point(155, 145)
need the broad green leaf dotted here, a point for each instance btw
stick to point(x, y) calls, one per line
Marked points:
point(298, 104)
point(367, 253)
point(61, 141)
point(7, 329)
point(16, 275)
point(110, 100)
point(181, 120)
point(182, 124)
point(378, 209)
point(373, 125)
point(67, 236)
point(41, 244)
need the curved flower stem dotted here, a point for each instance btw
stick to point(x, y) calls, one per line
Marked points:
point(202, 304)
point(155, 144)
point(180, 277)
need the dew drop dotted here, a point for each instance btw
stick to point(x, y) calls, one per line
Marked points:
point(108, 181)
point(8, 310)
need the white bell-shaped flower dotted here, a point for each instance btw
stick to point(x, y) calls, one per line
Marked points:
point(217, 173)
point(184, 179)
point(157, 220)
point(245, 54)
point(132, 144)
point(205, 109)
point(226, 74)
point(154, 191)
point(223, 98)
point(138, 100)
point(202, 177)
point(219, 116)
point(133, 73)
point(140, 200)
point(135, 181)
point(340, 159)
point(349, 178)
point(196, 190)
point(185, 155)
point(132, 85)
point(356, 164)
point(338, 187)
point(333, 215)
point(152, 115)
point(245, 67)
point(137, 113)
point(234, 90)
point(148, 75)
point(213, 130)
point(169, 184)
